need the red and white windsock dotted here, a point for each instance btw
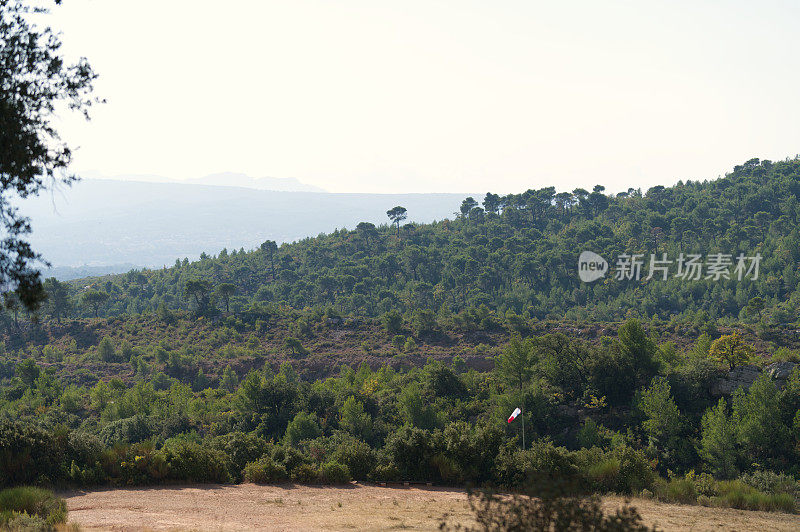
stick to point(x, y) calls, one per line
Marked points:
point(514, 415)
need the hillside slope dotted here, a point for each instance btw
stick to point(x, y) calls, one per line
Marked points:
point(518, 253)
point(398, 353)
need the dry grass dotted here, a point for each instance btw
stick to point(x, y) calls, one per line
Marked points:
point(289, 507)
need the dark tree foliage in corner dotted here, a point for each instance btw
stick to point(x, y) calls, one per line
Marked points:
point(35, 81)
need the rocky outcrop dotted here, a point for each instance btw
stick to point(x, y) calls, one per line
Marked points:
point(742, 376)
point(780, 372)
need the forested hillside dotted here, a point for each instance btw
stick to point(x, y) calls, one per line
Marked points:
point(398, 352)
point(514, 253)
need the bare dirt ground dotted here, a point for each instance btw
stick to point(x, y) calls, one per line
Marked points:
point(356, 507)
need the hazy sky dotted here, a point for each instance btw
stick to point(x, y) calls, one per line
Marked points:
point(425, 96)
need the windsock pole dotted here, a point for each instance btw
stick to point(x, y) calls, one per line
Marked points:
point(523, 429)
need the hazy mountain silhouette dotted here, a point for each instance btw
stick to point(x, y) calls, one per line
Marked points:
point(222, 179)
point(230, 179)
point(105, 224)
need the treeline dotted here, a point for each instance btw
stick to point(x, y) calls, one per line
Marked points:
point(628, 415)
point(510, 253)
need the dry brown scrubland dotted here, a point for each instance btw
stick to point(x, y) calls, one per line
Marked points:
point(354, 507)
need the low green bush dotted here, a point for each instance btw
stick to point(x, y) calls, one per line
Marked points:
point(265, 470)
point(29, 453)
point(543, 459)
point(704, 483)
point(136, 464)
point(306, 474)
point(188, 461)
point(635, 470)
point(39, 505)
point(604, 474)
point(289, 457)
point(19, 522)
point(304, 426)
point(357, 456)
point(85, 456)
point(771, 482)
point(386, 472)
point(134, 429)
point(241, 448)
point(681, 490)
point(591, 435)
point(737, 494)
point(334, 473)
point(620, 470)
point(780, 502)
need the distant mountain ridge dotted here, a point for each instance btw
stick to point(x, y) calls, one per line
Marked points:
point(221, 179)
point(278, 184)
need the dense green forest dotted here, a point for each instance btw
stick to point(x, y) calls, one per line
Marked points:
point(627, 416)
point(398, 353)
point(517, 253)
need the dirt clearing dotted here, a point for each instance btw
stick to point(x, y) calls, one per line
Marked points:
point(356, 507)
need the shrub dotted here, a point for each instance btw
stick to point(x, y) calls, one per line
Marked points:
point(470, 452)
point(85, 456)
point(543, 460)
point(737, 494)
point(392, 322)
point(635, 470)
point(85, 448)
point(680, 490)
point(134, 429)
point(357, 456)
point(30, 454)
point(304, 426)
point(15, 521)
point(604, 474)
point(386, 472)
point(191, 462)
point(265, 470)
point(290, 457)
point(704, 483)
point(412, 450)
point(621, 470)
point(783, 354)
point(35, 502)
point(241, 448)
point(134, 464)
point(334, 473)
point(771, 482)
point(591, 435)
point(305, 473)
point(423, 322)
point(398, 341)
point(409, 346)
